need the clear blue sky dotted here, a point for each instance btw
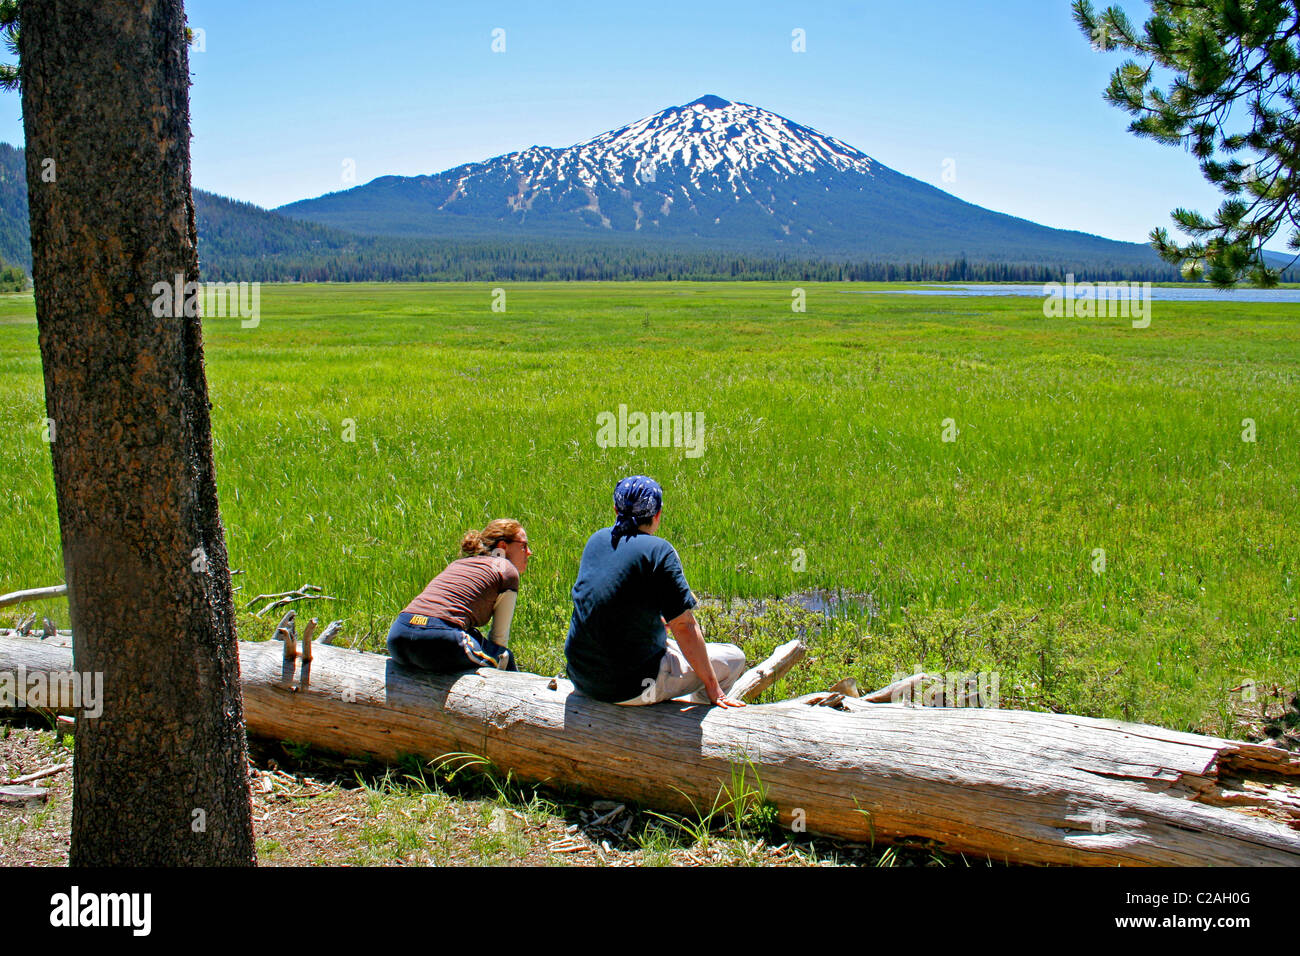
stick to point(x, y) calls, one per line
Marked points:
point(286, 91)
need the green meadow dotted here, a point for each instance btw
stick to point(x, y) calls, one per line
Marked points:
point(1097, 532)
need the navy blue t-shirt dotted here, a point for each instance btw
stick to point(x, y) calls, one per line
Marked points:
point(620, 602)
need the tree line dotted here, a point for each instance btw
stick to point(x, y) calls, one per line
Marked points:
point(373, 258)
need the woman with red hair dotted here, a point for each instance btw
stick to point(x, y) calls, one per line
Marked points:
point(438, 631)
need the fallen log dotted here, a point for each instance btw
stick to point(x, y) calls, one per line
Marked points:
point(1011, 786)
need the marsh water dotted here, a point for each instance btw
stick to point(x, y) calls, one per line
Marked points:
point(1158, 293)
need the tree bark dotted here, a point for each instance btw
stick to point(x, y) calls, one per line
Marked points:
point(161, 777)
point(1007, 785)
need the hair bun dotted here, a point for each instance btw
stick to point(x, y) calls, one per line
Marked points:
point(472, 543)
point(476, 543)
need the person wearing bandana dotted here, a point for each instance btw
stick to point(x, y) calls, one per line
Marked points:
point(630, 586)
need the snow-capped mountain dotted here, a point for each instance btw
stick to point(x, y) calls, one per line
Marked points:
point(708, 141)
point(712, 171)
point(673, 161)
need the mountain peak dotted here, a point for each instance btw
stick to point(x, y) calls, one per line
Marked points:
point(709, 102)
point(710, 140)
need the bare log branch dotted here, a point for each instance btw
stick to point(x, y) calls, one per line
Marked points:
point(286, 631)
point(307, 632)
point(284, 598)
point(896, 691)
point(279, 594)
point(848, 687)
point(332, 630)
point(39, 774)
point(762, 676)
point(33, 594)
point(281, 598)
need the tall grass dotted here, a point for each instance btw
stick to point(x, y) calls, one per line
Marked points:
point(823, 433)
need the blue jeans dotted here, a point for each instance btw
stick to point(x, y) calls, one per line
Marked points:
point(439, 646)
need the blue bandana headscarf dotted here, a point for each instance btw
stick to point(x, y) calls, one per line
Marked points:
point(636, 499)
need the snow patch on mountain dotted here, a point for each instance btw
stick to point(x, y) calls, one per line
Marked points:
point(710, 142)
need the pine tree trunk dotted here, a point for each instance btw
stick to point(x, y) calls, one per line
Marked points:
point(160, 777)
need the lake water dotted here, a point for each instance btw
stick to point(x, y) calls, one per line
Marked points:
point(1158, 294)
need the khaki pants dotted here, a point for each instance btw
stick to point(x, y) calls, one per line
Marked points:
point(676, 679)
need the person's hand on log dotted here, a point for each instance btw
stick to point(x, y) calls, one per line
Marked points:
point(690, 639)
point(720, 699)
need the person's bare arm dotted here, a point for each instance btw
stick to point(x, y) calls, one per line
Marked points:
point(686, 631)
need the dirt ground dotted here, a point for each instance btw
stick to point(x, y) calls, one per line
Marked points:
point(317, 811)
